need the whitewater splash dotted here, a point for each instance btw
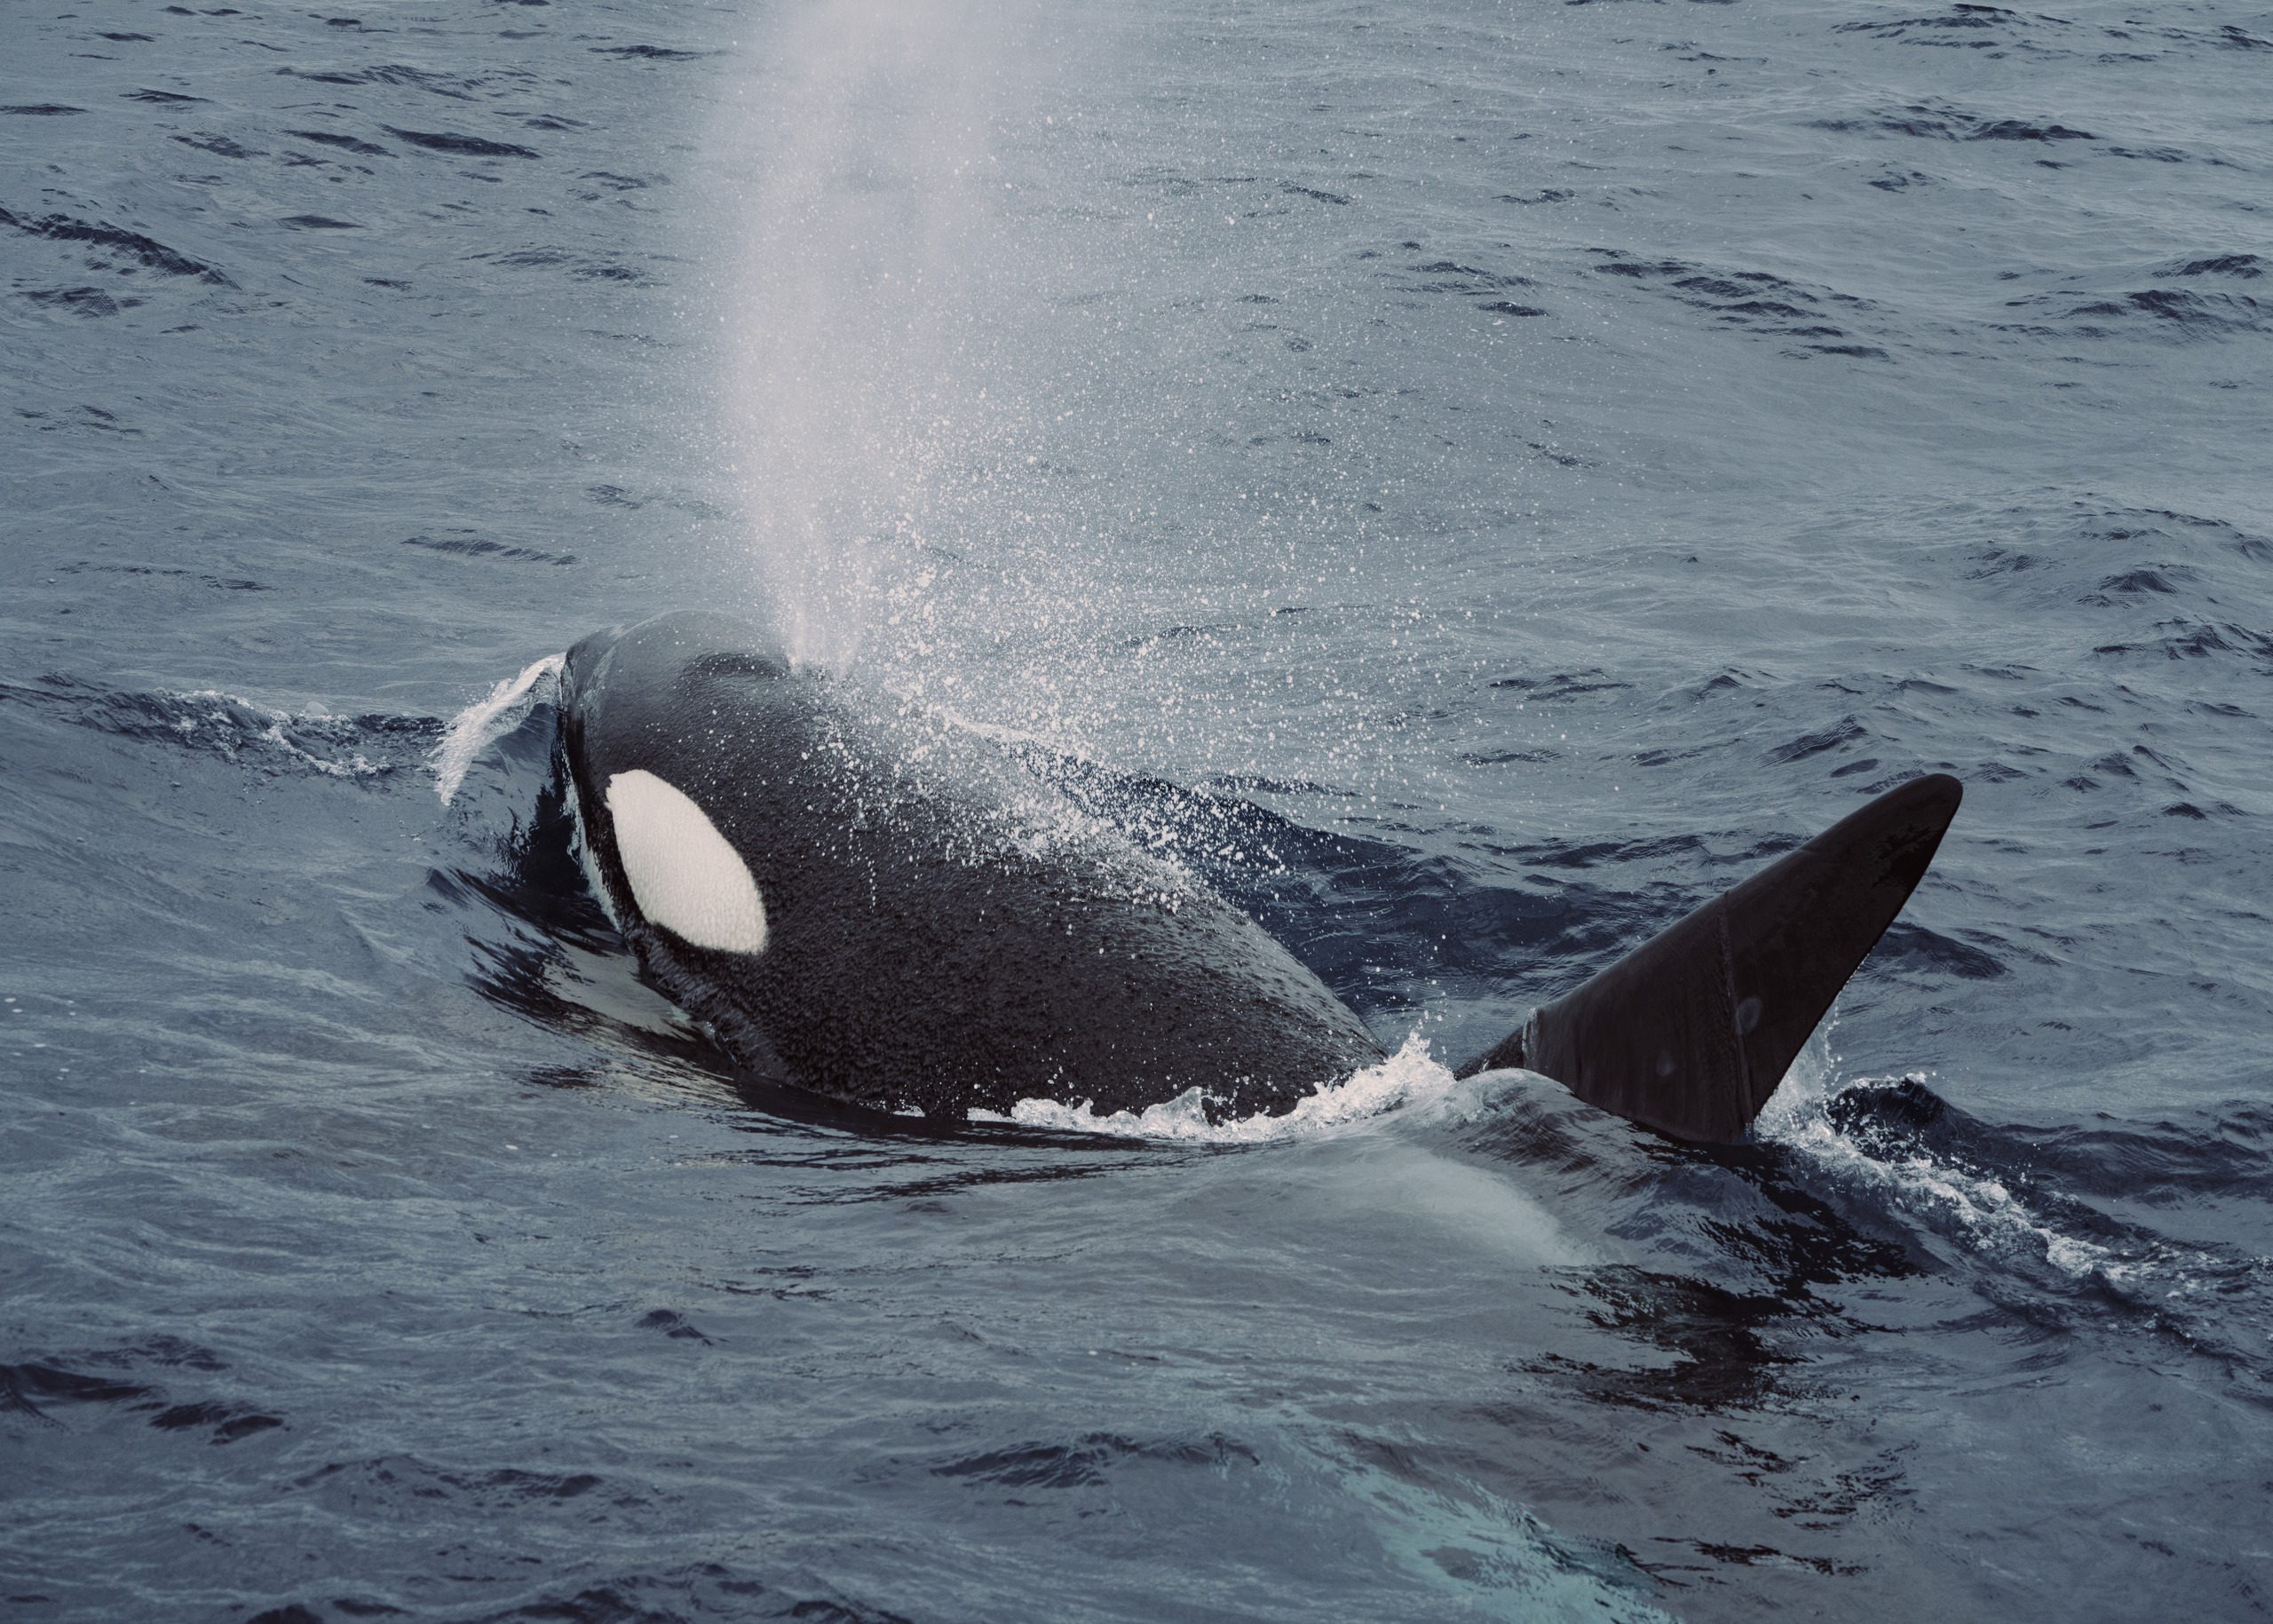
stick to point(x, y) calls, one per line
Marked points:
point(1411, 1077)
point(1980, 1207)
point(209, 709)
point(470, 731)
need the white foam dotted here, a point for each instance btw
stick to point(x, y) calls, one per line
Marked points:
point(684, 876)
point(1409, 1077)
point(470, 731)
point(226, 714)
point(1982, 1209)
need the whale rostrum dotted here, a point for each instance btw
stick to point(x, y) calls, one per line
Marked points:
point(862, 900)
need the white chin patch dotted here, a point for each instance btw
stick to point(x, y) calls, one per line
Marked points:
point(683, 873)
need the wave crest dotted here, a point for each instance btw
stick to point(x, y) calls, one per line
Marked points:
point(470, 731)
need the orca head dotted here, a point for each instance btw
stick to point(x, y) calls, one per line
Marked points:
point(649, 803)
point(660, 652)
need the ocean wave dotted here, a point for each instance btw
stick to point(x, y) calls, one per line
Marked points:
point(469, 732)
point(1976, 1206)
point(240, 730)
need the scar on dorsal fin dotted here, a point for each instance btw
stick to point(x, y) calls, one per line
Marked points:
point(1689, 1033)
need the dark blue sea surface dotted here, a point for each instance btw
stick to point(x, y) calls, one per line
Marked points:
point(1470, 481)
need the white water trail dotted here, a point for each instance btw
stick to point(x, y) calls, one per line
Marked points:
point(1380, 1173)
point(470, 731)
point(1981, 1208)
point(1409, 1077)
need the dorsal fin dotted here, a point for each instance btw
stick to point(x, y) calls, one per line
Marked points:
point(1690, 1032)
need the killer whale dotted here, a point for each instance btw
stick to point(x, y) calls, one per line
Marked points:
point(865, 902)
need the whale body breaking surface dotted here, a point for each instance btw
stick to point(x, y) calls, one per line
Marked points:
point(862, 901)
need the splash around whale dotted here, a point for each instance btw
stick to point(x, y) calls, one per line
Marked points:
point(865, 902)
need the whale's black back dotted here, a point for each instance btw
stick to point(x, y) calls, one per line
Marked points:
point(945, 931)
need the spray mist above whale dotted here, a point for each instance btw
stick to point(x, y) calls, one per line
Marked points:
point(865, 902)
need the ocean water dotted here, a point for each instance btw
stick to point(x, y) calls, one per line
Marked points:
point(1470, 481)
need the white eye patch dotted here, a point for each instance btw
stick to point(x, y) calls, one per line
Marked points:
point(683, 873)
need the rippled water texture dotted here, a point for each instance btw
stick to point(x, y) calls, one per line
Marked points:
point(1471, 483)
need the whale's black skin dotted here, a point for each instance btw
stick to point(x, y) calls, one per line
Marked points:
point(1689, 1033)
point(944, 931)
